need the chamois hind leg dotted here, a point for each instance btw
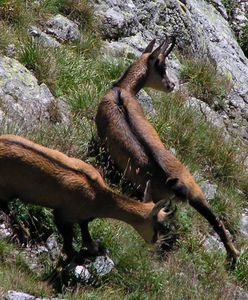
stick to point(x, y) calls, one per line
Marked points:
point(199, 203)
point(66, 230)
point(91, 245)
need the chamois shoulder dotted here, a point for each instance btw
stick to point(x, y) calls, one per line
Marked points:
point(56, 156)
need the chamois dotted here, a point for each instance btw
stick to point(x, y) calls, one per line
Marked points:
point(134, 144)
point(73, 189)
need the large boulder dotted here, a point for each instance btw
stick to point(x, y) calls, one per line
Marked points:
point(62, 28)
point(23, 100)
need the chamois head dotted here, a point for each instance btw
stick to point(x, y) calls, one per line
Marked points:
point(154, 228)
point(156, 68)
point(149, 69)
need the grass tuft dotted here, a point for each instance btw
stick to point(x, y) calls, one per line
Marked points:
point(204, 82)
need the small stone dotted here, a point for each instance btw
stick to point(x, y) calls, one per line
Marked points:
point(244, 224)
point(13, 295)
point(213, 243)
point(103, 265)
point(82, 273)
point(146, 102)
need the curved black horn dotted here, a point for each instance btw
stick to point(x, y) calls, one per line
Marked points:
point(170, 213)
point(168, 50)
point(158, 206)
point(147, 192)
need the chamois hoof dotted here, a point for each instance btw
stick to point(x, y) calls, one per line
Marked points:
point(231, 260)
point(92, 250)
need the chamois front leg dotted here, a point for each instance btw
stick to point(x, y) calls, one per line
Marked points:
point(90, 244)
point(199, 203)
point(66, 230)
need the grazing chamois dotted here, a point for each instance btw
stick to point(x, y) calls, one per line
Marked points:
point(135, 146)
point(73, 189)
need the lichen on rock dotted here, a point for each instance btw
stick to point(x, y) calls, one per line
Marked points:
point(24, 100)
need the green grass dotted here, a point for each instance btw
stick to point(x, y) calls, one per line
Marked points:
point(229, 5)
point(203, 80)
point(197, 142)
point(15, 273)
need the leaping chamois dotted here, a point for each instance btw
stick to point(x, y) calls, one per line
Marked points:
point(73, 189)
point(134, 144)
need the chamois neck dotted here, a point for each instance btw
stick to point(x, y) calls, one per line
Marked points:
point(124, 209)
point(134, 79)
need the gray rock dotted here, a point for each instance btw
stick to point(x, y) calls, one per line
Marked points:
point(42, 38)
point(5, 226)
point(62, 28)
point(244, 224)
point(118, 18)
point(53, 247)
point(212, 242)
point(24, 101)
point(246, 163)
point(103, 265)
point(116, 49)
point(13, 295)
point(206, 111)
point(239, 16)
point(220, 7)
point(209, 189)
point(82, 273)
point(146, 102)
point(240, 294)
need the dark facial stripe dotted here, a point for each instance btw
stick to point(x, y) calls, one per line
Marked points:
point(160, 68)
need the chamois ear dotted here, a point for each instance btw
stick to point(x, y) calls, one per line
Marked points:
point(149, 47)
point(147, 192)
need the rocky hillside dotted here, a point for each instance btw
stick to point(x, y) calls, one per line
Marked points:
point(57, 59)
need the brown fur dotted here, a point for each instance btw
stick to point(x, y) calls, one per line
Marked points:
point(74, 189)
point(136, 147)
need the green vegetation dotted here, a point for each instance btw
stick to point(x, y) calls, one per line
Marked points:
point(81, 75)
point(15, 273)
point(244, 39)
point(229, 5)
point(203, 80)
